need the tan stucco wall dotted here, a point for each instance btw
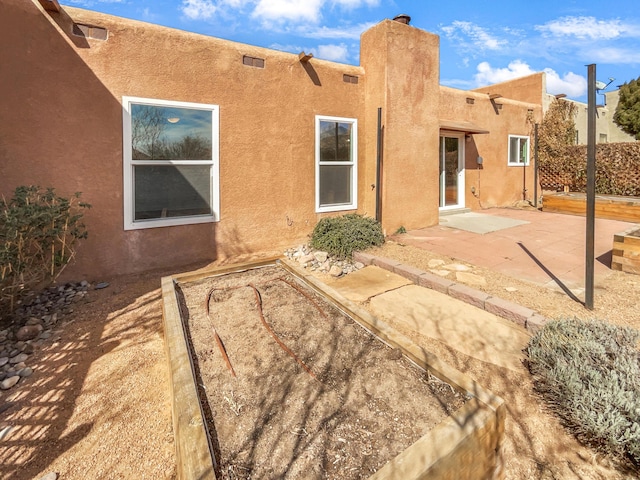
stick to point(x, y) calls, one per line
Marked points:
point(64, 127)
point(495, 182)
point(402, 66)
point(525, 89)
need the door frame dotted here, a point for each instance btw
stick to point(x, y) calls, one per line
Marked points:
point(460, 136)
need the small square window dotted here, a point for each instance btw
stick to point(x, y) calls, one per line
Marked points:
point(518, 150)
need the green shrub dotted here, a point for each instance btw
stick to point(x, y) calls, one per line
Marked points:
point(38, 231)
point(589, 373)
point(341, 236)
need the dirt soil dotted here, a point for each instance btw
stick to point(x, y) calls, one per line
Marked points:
point(338, 405)
point(98, 406)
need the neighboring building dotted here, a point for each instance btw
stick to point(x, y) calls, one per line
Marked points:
point(606, 130)
point(533, 88)
point(192, 148)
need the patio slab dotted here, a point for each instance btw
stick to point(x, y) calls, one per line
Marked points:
point(539, 247)
point(479, 222)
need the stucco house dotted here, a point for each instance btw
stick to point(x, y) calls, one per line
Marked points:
point(192, 148)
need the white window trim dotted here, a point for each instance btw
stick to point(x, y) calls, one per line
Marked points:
point(518, 164)
point(354, 163)
point(129, 163)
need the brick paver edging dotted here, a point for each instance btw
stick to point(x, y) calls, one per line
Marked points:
point(529, 319)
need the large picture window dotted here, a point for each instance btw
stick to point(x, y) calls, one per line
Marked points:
point(336, 163)
point(170, 163)
point(518, 150)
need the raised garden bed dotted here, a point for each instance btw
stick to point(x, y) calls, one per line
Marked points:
point(306, 391)
point(612, 207)
point(626, 251)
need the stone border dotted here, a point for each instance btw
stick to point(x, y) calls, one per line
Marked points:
point(523, 316)
point(468, 443)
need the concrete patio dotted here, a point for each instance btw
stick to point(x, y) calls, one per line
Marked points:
point(544, 248)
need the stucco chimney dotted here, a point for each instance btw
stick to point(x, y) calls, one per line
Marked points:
point(402, 18)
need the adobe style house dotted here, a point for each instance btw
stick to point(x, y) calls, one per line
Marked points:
point(192, 148)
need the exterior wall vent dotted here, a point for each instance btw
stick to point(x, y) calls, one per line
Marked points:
point(88, 31)
point(471, 101)
point(253, 61)
point(349, 78)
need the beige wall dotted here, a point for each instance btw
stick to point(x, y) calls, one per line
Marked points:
point(495, 182)
point(62, 127)
point(606, 130)
point(69, 130)
point(525, 89)
point(402, 66)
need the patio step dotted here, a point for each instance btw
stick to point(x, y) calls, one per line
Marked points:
point(456, 211)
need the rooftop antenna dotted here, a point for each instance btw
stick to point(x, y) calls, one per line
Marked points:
point(600, 86)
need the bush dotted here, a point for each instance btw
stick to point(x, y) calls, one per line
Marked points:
point(38, 231)
point(341, 236)
point(589, 373)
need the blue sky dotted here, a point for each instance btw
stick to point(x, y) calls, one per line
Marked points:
point(481, 42)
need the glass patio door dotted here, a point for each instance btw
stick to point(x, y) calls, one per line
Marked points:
point(451, 172)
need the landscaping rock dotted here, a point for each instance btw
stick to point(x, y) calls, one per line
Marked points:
point(306, 259)
point(21, 357)
point(29, 332)
point(335, 271)
point(50, 476)
point(7, 383)
point(321, 256)
point(470, 278)
point(457, 267)
point(435, 263)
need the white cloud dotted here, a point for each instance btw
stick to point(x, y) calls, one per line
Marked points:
point(587, 28)
point(274, 12)
point(199, 9)
point(351, 4)
point(279, 11)
point(352, 32)
point(335, 53)
point(613, 55)
point(477, 36)
point(571, 84)
point(487, 74)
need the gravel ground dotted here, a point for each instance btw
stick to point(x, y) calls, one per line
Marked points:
point(98, 406)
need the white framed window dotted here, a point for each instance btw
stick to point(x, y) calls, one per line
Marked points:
point(336, 163)
point(171, 168)
point(518, 150)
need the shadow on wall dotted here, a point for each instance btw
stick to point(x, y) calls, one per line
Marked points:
point(64, 129)
point(68, 135)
